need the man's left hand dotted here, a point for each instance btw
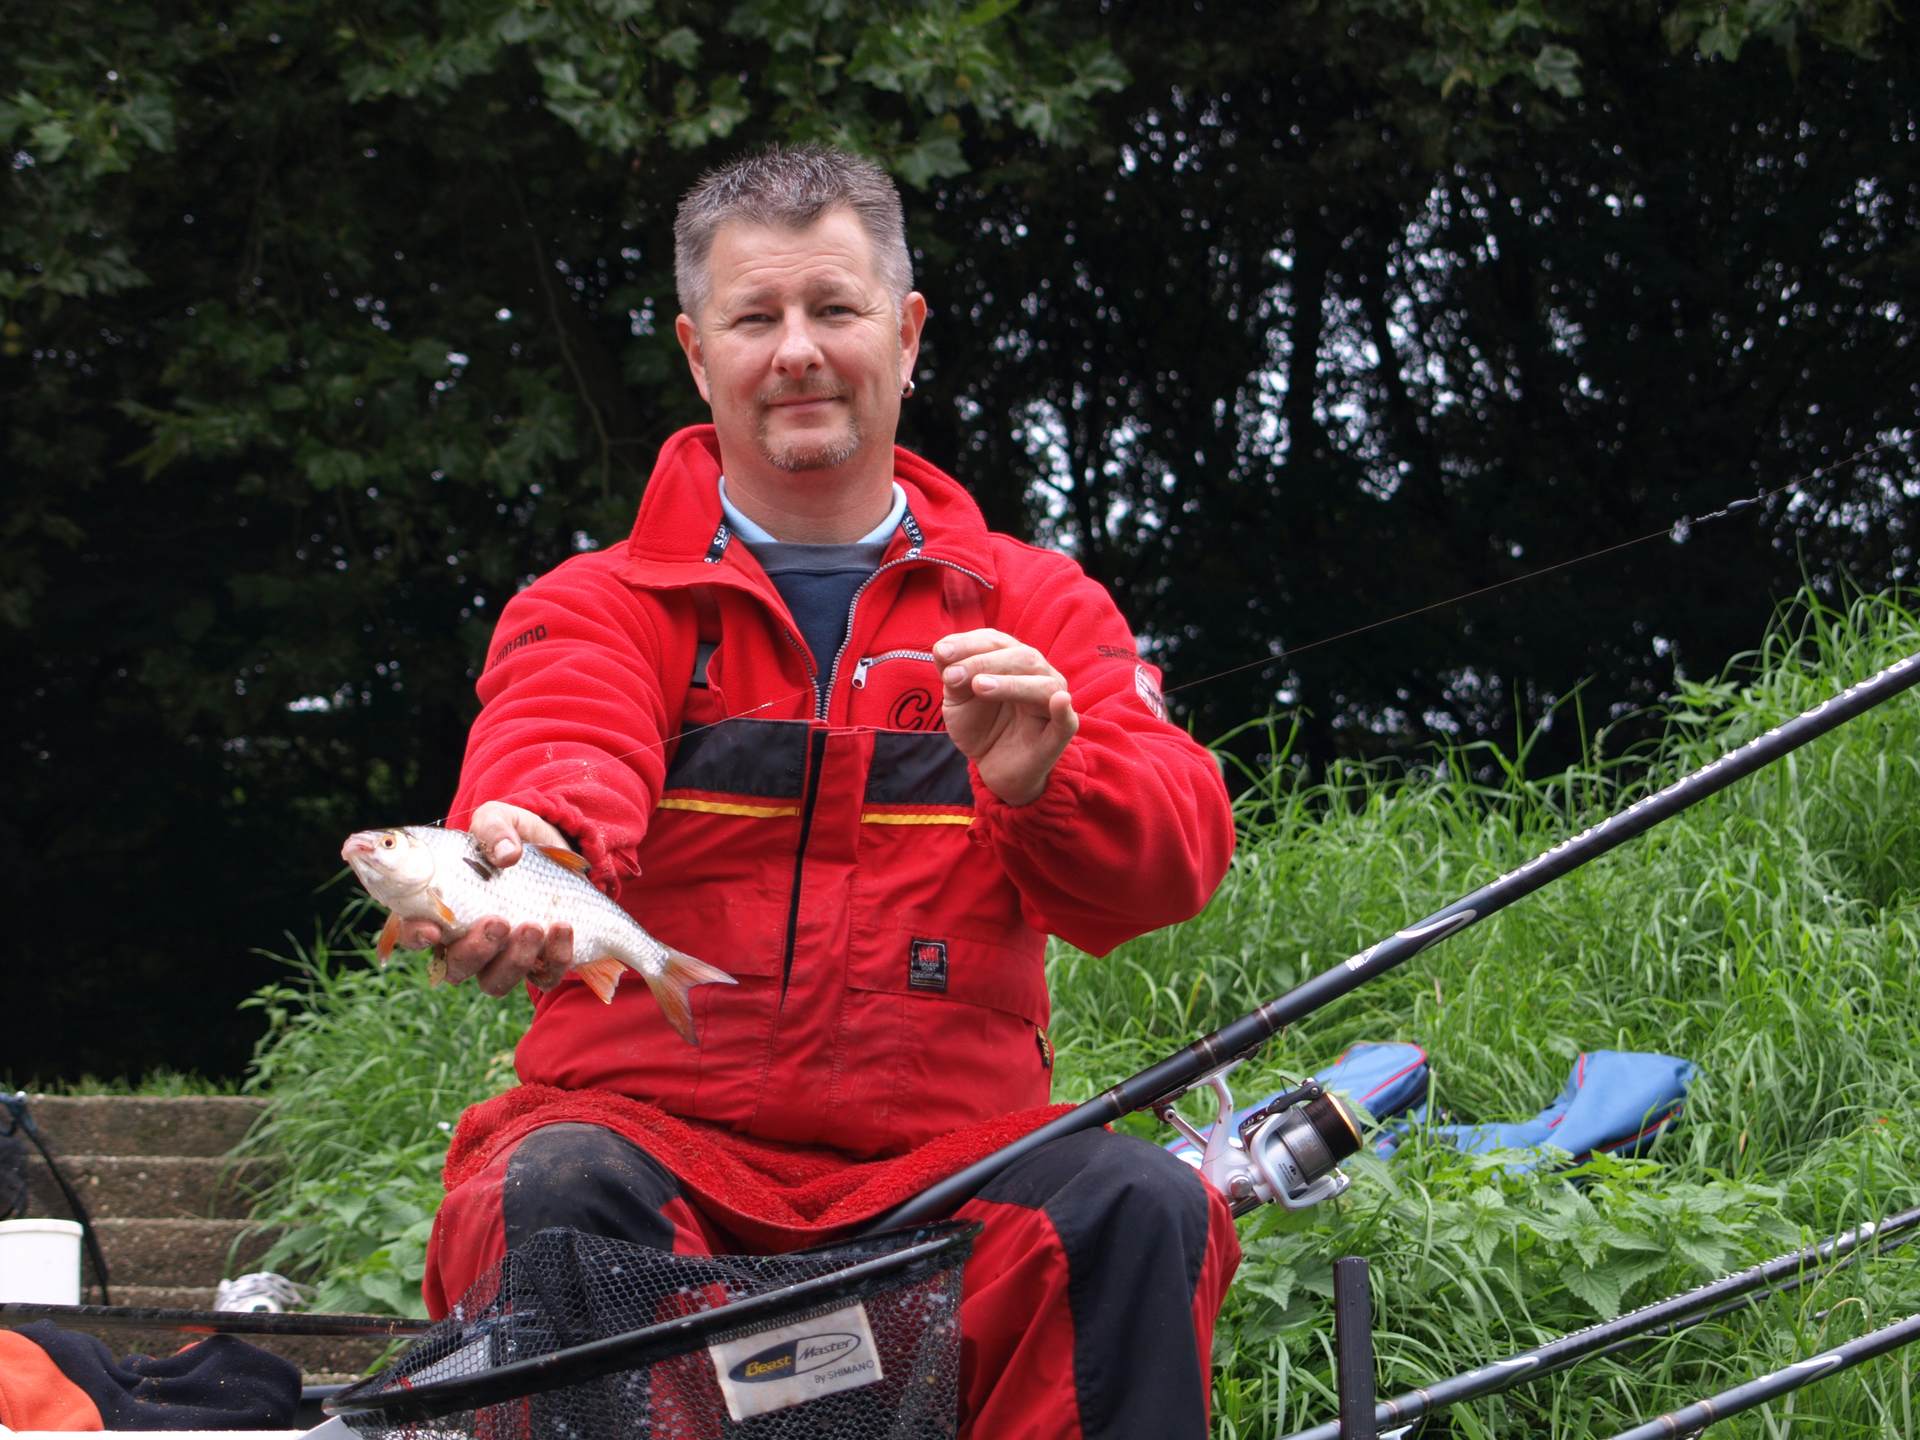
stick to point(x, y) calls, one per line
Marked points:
point(1008, 710)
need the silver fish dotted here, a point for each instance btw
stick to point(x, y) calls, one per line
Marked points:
point(424, 872)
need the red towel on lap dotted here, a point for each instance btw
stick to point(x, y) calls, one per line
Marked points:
point(771, 1197)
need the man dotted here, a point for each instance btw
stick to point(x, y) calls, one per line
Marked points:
point(817, 726)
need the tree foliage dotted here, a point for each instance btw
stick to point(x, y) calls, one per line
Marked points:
point(1368, 345)
point(321, 331)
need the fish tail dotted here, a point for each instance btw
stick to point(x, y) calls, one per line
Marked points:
point(679, 974)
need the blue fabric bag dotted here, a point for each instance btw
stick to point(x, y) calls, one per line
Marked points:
point(1617, 1101)
point(1382, 1077)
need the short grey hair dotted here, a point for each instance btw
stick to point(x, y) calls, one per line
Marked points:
point(789, 187)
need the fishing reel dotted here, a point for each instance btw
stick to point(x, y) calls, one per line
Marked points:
point(1284, 1151)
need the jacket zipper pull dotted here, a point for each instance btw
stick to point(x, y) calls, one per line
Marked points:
point(864, 664)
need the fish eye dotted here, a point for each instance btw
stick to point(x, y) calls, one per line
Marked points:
point(386, 842)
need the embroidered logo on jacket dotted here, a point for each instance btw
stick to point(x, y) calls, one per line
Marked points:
point(927, 965)
point(520, 642)
point(916, 709)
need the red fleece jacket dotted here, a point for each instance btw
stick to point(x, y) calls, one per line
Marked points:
point(884, 914)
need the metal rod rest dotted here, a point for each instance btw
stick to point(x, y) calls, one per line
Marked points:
point(1353, 1347)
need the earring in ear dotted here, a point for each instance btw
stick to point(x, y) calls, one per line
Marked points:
point(906, 390)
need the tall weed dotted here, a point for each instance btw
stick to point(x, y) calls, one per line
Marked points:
point(365, 1071)
point(1769, 935)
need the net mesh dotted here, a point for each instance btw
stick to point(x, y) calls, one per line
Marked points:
point(875, 1357)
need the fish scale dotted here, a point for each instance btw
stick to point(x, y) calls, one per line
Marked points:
point(426, 872)
point(534, 891)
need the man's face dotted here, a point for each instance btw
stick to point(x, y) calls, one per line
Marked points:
point(798, 349)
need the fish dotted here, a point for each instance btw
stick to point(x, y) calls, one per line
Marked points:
point(427, 872)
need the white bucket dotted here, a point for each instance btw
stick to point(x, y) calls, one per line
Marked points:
point(40, 1261)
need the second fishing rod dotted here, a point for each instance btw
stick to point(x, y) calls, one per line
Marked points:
point(1730, 1293)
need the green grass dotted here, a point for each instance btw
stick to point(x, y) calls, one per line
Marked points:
point(1769, 935)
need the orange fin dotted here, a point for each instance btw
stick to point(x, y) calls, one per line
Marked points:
point(444, 910)
point(670, 989)
point(602, 976)
point(576, 863)
point(389, 937)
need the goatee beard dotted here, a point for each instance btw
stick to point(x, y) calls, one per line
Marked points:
point(794, 456)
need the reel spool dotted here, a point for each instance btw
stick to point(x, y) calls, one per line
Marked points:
point(1286, 1152)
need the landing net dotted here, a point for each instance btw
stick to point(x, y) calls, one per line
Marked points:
point(579, 1337)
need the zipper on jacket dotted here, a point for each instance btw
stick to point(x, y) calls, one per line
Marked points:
point(867, 662)
point(810, 792)
point(809, 796)
point(833, 675)
point(817, 743)
point(807, 661)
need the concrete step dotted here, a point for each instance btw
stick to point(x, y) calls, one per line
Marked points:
point(169, 1205)
point(143, 1125)
point(152, 1187)
point(178, 1253)
point(161, 1297)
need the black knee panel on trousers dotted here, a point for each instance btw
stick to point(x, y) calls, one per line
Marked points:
point(1132, 1222)
point(587, 1179)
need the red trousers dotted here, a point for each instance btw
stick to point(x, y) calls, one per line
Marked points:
point(1087, 1305)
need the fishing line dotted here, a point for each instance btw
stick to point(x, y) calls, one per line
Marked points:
point(1678, 530)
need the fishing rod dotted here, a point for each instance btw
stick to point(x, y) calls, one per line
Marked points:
point(1677, 530)
point(1281, 1150)
point(1648, 1322)
point(208, 1322)
point(1749, 1302)
point(1696, 1417)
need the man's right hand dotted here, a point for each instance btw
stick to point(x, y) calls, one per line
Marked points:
point(496, 956)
